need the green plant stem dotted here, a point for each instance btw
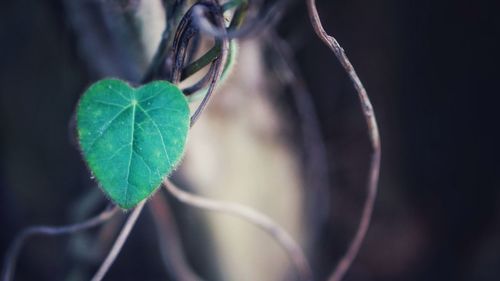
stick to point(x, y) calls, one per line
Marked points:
point(203, 61)
point(239, 15)
point(212, 54)
point(232, 4)
point(232, 53)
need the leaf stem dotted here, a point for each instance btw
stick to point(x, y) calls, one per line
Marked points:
point(373, 133)
point(117, 246)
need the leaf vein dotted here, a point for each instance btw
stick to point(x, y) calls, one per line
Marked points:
point(105, 127)
point(119, 93)
point(152, 96)
point(131, 151)
point(159, 133)
point(109, 103)
point(145, 163)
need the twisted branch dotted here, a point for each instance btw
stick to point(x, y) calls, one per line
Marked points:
point(373, 133)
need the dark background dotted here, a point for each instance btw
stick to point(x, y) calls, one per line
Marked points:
point(430, 68)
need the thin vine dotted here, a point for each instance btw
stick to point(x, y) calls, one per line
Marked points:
point(173, 60)
point(16, 246)
point(373, 133)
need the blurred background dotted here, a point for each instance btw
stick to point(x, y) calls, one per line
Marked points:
point(430, 68)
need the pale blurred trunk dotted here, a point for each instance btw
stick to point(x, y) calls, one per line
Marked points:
point(238, 152)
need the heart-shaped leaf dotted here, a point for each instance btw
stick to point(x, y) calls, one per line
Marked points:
point(132, 138)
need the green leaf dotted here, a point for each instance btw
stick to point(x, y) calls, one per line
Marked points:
point(132, 138)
